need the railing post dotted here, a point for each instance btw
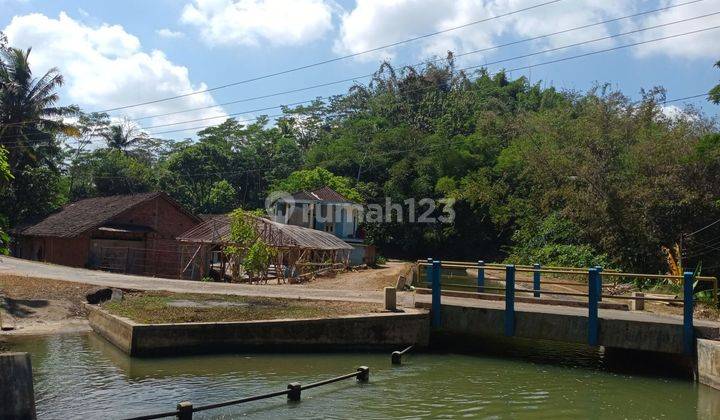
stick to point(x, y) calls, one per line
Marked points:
point(536, 280)
point(509, 300)
point(599, 282)
point(481, 276)
point(688, 332)
point(363, 374)
point(428, 273)
point(593, 330)
point(185, 410)
point(436, 294)
point(294, 391)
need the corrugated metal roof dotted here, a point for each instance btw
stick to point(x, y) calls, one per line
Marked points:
point(217, 231)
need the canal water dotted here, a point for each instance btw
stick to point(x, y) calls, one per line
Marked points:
point(83, 376)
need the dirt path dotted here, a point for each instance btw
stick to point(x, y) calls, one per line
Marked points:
point(40, 306)
point(38, 309)
point(364, 279)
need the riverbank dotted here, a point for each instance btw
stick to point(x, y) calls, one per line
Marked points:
point(30, 305)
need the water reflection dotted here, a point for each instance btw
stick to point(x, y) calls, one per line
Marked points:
point(84, 376)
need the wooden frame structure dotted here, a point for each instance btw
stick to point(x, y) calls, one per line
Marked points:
point(300, 253)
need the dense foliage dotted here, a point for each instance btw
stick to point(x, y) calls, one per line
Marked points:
point(537, 174)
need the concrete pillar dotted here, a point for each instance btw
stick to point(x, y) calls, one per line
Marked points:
point(17, 398)
point(363, 374)
point(294, 389)
point(390, 299)
point(185, 410)
point(708, 362)
point(637, 304)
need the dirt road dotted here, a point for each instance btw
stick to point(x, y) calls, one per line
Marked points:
point(45, 314)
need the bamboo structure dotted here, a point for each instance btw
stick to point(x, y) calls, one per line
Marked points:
point(300, 253)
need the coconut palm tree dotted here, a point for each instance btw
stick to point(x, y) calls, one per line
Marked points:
point(29, 118)
point(123, 136)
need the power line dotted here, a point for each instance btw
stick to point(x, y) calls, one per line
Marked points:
point(576, 44)
point(382, 47)
point(493, 47)
point(701, 229)
point(504, 60)
point(354, 79)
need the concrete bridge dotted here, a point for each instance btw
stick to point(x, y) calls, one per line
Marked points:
point(630, 330)
point(586, 319)
point(576, 322)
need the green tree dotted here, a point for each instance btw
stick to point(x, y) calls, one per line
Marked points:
point(30, 120)
point(123, 137)
point(714, 94)
point(190, 175)
point(115, 173)
point(310, 179)
point(222, 197)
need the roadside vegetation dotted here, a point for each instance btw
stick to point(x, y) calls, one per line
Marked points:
point(163, 307)
point(538, 174)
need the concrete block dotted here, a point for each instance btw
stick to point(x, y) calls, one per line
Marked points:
point(384, 330)
point(637, 304)
point(708, 362)
point(390, 299)
point(17, 398)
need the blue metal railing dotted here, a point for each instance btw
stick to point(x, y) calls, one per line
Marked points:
point(594, 296)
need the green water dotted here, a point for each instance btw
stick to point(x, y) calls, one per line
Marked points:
point(82, 376)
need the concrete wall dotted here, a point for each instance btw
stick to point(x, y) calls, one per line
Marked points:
point(372, 331)
point(708, 364)
point(617, 333)
point(117, 330)
point(17, 398)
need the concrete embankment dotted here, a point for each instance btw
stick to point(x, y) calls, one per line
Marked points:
point(618, 329)
point(708, 363)
point(357, 332)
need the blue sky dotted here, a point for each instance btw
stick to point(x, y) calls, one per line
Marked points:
point(119, 53)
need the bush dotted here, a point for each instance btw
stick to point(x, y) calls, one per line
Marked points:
point(561, 255)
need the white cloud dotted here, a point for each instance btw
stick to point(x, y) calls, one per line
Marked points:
point(372, 23)
point(671, 111)
point(701, 45)
point(254, 22)
point(105, 67)
point(375, 22)
point(169, 33)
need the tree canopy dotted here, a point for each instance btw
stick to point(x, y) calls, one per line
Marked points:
point(536, 173)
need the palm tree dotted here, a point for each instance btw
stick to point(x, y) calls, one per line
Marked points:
point(123, 136)
point(29, 119)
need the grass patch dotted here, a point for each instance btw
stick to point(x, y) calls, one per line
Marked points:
point(164, 307)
